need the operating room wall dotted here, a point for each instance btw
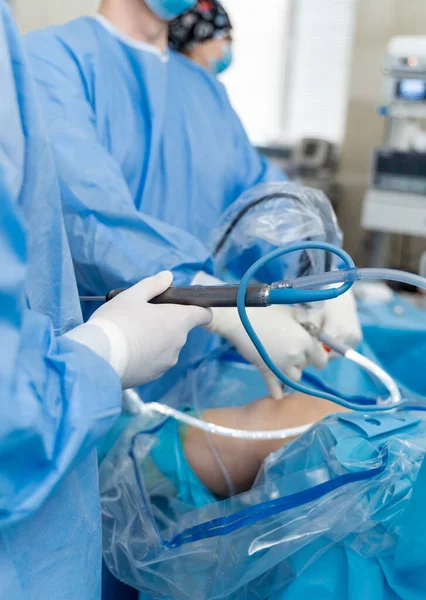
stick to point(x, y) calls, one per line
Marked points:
point(377, 22)
point(39, 13)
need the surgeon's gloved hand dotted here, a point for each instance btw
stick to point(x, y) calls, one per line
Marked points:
point(290, 347)
point(141, 341)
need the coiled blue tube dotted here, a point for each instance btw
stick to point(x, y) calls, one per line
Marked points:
point(341, 290)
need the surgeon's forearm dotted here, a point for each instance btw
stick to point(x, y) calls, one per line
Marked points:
point(243, 458)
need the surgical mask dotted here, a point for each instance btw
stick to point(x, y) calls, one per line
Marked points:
point(170, 9)
point(218, 65)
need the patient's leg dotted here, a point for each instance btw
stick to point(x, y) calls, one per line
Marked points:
point(243, 458)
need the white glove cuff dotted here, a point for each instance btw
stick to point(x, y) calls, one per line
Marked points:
point(105, 339)
point(119, 354)
point(93, 337)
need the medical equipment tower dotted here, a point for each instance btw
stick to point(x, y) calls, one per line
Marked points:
point(396, 199)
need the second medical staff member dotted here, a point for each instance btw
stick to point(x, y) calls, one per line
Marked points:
point(204, 34)
point(149, 153)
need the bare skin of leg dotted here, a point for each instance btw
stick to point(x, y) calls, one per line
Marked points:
point(243, 458)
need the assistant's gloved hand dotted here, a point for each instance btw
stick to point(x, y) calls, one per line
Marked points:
point(290, 347)
point(141, 341)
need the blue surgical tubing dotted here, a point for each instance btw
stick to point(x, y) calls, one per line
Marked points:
point(348, 276)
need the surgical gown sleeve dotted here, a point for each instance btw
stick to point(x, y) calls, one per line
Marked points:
point(57, 398)
point(112, 243)
point(250, 166)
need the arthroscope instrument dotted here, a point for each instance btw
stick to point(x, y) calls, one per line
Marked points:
point(294, 291)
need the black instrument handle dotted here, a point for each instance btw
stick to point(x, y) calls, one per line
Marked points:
point(206, 296)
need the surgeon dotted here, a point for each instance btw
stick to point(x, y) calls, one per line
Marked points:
point(204, 34)
point(149, 153)
point(60, 381)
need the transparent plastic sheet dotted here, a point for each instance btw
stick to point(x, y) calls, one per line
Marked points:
point(165, 533)
point(217, 381)
point(271, 215)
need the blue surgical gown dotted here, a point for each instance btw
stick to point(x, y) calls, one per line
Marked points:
point(149, 153)
point(56, 397)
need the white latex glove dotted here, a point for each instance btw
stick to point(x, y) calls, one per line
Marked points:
point(290, 347)
point(337, 317)
point(340, 319)
point(140, 340)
